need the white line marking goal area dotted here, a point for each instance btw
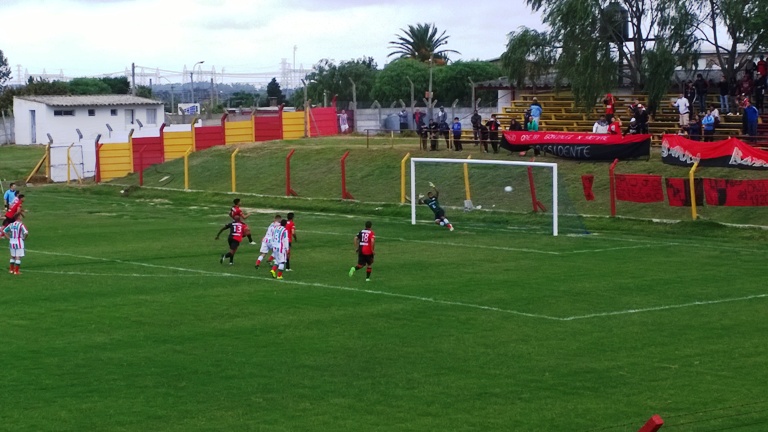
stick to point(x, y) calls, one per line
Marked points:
point(197, 272)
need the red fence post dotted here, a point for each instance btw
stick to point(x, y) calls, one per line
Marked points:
point(98, 162)
point(534, 199)
point(141, 166)
point(612, 187)
point(288, 190)
point(653, 424)
point(344, 193)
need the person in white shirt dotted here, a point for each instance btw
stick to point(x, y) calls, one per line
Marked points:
point(600, 126)
point(683, 107)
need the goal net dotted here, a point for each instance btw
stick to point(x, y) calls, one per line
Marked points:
point(525, 196)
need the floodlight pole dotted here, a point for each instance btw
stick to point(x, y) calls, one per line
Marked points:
point(192, 79)
point(431, 109)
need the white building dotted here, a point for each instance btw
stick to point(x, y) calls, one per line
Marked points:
point(62, 116)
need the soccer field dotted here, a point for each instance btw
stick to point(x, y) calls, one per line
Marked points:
point(123, 319)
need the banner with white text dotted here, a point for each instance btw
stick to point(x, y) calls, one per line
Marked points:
point(580, 145)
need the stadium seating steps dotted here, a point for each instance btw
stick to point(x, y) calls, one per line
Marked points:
point(559, 113)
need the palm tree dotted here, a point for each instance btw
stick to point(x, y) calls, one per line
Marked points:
point(421, 42)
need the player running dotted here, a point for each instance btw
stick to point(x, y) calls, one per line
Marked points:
point(236, 211)
point(280, 249)
point(364, 241)
point(15, 209)
point(266, 242)
point(434, 205)
point(16, 233)
point(291, 227)
point(235, 237)
point(9, 196)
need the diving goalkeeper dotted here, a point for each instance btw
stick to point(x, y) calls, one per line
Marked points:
point(434, 205)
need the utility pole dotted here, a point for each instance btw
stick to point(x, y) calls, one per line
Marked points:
point(192, 79)
point(413, 101)
point(133, 79)
point(431, 111)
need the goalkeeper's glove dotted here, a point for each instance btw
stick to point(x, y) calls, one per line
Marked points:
point(431, 184)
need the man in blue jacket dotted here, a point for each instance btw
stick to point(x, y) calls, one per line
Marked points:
point(752, 114)
point(536, 110)
point(708, 124)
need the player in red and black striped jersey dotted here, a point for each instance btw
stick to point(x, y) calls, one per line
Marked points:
point(237, 211)
point(364, 242)
point(291, 228)
point(236, 229)
point(14, 209)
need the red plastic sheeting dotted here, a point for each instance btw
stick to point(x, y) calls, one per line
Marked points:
point(323, 122)
point(268, 127)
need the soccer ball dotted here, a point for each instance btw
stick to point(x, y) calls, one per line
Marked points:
point(442, 223)
point(508, 189)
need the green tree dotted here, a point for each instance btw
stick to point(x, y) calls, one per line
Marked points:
point(592, 44)
point(117, 85)
point(274, 91)
point(421, 42)
point(5, 70)
point(451, 82)
point(746, 30)
point(530, 55)
point(335, 79)
point(88, 86)
point(34, 87)
point(392, 82)
point(144, 91)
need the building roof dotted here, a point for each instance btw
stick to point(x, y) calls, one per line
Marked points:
point(90, 100)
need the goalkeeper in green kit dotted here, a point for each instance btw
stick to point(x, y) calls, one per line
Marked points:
point(434, 205)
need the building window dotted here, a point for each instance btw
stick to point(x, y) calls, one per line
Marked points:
point(151, 116)
point(59, 113)
point(91, 112)
point(113, 112)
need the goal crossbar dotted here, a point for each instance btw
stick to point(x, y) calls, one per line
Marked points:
point(550, 165)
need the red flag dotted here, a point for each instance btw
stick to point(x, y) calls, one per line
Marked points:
point(679, 191)
point(587, 180)
point(640, 188)
point(746, 193)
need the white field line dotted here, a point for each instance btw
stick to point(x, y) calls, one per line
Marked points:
point(661, 308)
point(309, 284)
point(77, 273)
point(406, 296)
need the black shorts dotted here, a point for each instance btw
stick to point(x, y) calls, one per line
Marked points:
point(7, 221)
point(363, 259)
point(233, 244)
point(440, 214)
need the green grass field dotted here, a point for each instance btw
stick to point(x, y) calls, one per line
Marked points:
point(123, 319)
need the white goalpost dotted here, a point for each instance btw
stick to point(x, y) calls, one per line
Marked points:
point(552, 166)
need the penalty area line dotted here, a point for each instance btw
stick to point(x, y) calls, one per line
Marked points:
point(308, 284)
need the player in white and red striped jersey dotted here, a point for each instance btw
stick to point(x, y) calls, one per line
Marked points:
point(16, 233)
point(266, 242)
point(280, 249)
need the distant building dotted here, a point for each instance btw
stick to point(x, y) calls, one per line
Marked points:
point(62, 116)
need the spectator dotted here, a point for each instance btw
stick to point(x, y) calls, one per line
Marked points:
point(442, 116)
point(531, 124)
point(633, 107)
point(690, 93)
point(456, 128)
point(514, 125)
point(708, 124)
point(633, 128)
point(694, 128)
point(615, 127)
point(683, 109)
point(734, 93)
point(433, 130)
point(493, 132)
point(716, 115)
point(743, 102)
point(536, 111)
point(642, 117)
point(484, 137)
point(759, 91)
point(724, 90)
point(600, 126)
point(343, 122)
point(476, 120)
point(445, 129)
point(610, 107)
point(762, 67)
point(752, 115)
point(403, 115)
point(701, 87)
point(418, 120)
point(683, 131)
point(749, 68)
point(745, 85)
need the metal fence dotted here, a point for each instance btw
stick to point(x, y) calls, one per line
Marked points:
point(7, 132)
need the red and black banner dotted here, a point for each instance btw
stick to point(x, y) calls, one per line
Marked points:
point(579, 145)
point(742, 193)
point(679, 191)
point(729, 153)
point(639, 188)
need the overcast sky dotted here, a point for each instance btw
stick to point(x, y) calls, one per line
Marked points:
point(93, 37)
